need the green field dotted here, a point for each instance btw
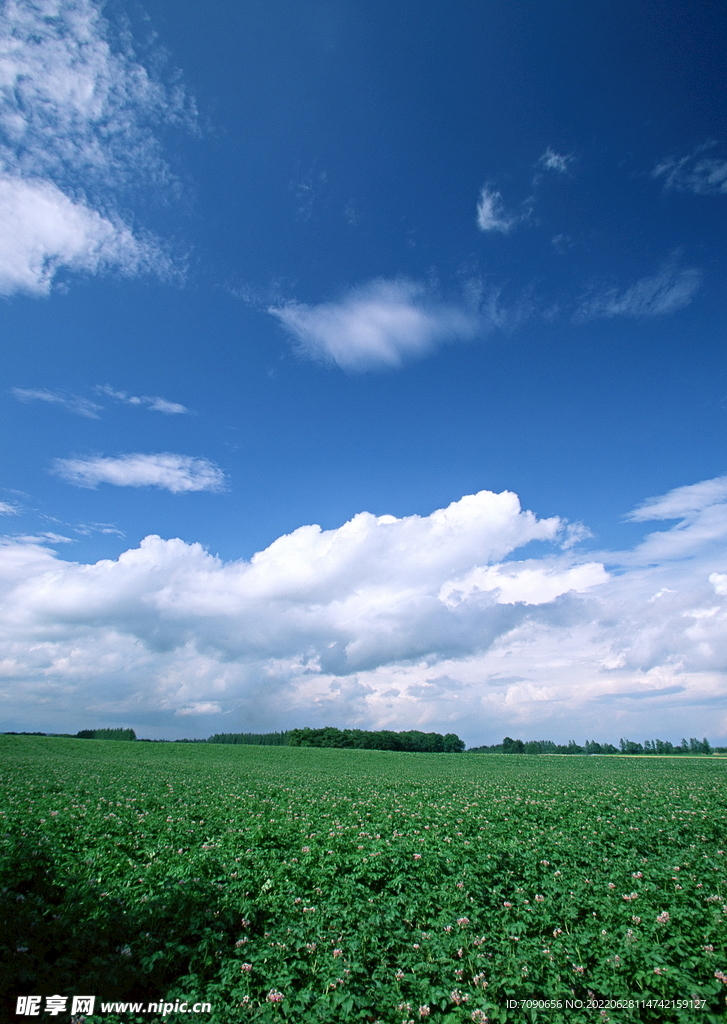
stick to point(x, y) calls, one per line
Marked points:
point(362, 885)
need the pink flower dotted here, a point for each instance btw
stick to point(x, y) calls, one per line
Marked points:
point(479, 1017)
point(417, 856)
point(721, 976)
point(274, 996)
point(463, 921)
point(539, 898)
point(557, 932)
point(246, 968)
point(458, 997)
point(305, 849)
point(663, 917)
point(506, 904)
point(399, 975)
point(424, 1011)
point(338, 952)
point(611, 885)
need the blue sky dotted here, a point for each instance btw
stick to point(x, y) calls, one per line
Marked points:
point(321, 299)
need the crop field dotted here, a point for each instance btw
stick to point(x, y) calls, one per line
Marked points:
point(321, 885)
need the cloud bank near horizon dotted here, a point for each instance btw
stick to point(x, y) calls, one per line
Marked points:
point(479, 618)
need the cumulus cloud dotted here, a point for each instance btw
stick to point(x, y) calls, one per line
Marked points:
point(379, 324)
point(703, 175)
point(153, 402)
point(72, 403)
point(491, 212)
point(76, 119)
point(659, 295)
point(424, 621)
point(176, 473)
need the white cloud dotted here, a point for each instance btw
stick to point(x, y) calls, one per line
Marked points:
point(204, 707)
point(44, 231)
point(703, 175)
point(73, 403)
point(378, 324)
point(682, 502)
point(176, 473)
point(491, 213)
point(413, 622)
point(75, 118)
point(553, 161)
point(153, 402)
point(526, 582)
point(7, 509)
point(659, 295)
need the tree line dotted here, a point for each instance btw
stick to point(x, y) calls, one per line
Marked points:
point(410, 740)
point(258, 739)
point(360, 739)
point(511, 746)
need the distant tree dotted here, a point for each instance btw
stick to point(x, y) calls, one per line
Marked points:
point(511, 746)
point(106, 734)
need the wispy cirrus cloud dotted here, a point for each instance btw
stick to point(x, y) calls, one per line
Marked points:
point(696, 172)
point(153, 402)
point(682, 502)
point(92, 410)
point(64, 399)
point(552, 161)
point(179, 474)
point(7, 508)
point(379, 324)
point(491, 212)
point(657, 295)
point(77, 112)
point(385, 323)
